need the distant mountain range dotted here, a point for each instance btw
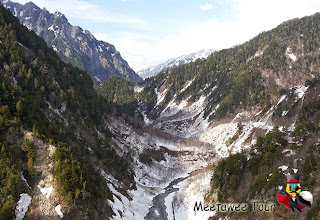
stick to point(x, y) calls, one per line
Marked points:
point(174, 62)
point(73, 44)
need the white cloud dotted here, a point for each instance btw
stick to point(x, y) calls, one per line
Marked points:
point(138, 49)
point(206, 7)
point(252, 18)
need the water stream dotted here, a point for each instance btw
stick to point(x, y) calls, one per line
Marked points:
point(158, 211)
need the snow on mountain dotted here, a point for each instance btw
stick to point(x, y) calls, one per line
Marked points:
point(174, 62)
point(172, 158)
point(22, 206)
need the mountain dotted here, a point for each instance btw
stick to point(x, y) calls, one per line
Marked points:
point(221, 130)
point(250, 112)
point(174, 62)
point(56, 157)
point(73, 44)
point(66, 152)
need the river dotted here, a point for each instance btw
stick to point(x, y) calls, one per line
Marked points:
point(158, 211)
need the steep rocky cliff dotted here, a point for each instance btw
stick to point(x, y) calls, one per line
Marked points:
point(72, 43)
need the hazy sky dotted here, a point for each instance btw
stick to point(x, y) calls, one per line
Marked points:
point(147, 32)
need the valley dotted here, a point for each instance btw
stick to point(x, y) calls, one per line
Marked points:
point(227, 126)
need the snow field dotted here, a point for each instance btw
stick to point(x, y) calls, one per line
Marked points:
point(22, 206)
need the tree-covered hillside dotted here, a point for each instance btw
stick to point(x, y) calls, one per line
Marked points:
point(250, 74)
point(57, 102)
point(257, 173)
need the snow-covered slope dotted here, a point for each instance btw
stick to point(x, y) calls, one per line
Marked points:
point(196, 134)
point(183, 146)
point(174, 62)
point(171, 158)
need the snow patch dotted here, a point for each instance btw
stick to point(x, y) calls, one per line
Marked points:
point(220, 134)
point(152, 180)
point(58, 211)
point(156, 212)
point(15, 13)
point(292, 127)
point(98, 80)
point(14, 80)
point(146, 120)
point(241, 115)
point(99, 48)
point(22, 206)
point(58, 14)
point(46, 191)
point(281, 99)
point(284, 113)
point(283, 167)
point(288, 152)
point(193, 189)
point(300, 92)
point(259, 113)
point(24, 180)
point(173, 108)
point(57, 111)
point(52, 28)
point(258, 54)
point(63, 106)
point(54, 48)
point(188, 84)
point(138, 89)
point(137, 208)
point(291, 55)
point(160, 95)
point(183, 119)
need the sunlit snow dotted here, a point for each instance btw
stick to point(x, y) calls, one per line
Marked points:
point(291, 55)
point(300, 91)
point(58, 211)
point(283, 167)
point(46, 191)
point(22, 206)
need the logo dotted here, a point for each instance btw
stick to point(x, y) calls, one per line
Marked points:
point(294, 198)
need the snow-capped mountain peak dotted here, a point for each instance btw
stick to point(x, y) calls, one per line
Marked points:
point(174, 62)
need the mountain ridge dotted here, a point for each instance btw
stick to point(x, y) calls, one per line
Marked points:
point(174, 62)
point(72, 43)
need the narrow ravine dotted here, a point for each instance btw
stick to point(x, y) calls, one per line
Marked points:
point(158, 211)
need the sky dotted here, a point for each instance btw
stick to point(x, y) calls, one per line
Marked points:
point(148, 32)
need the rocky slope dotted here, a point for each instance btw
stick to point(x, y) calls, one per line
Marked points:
point(72, 43)
point(174, 62)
